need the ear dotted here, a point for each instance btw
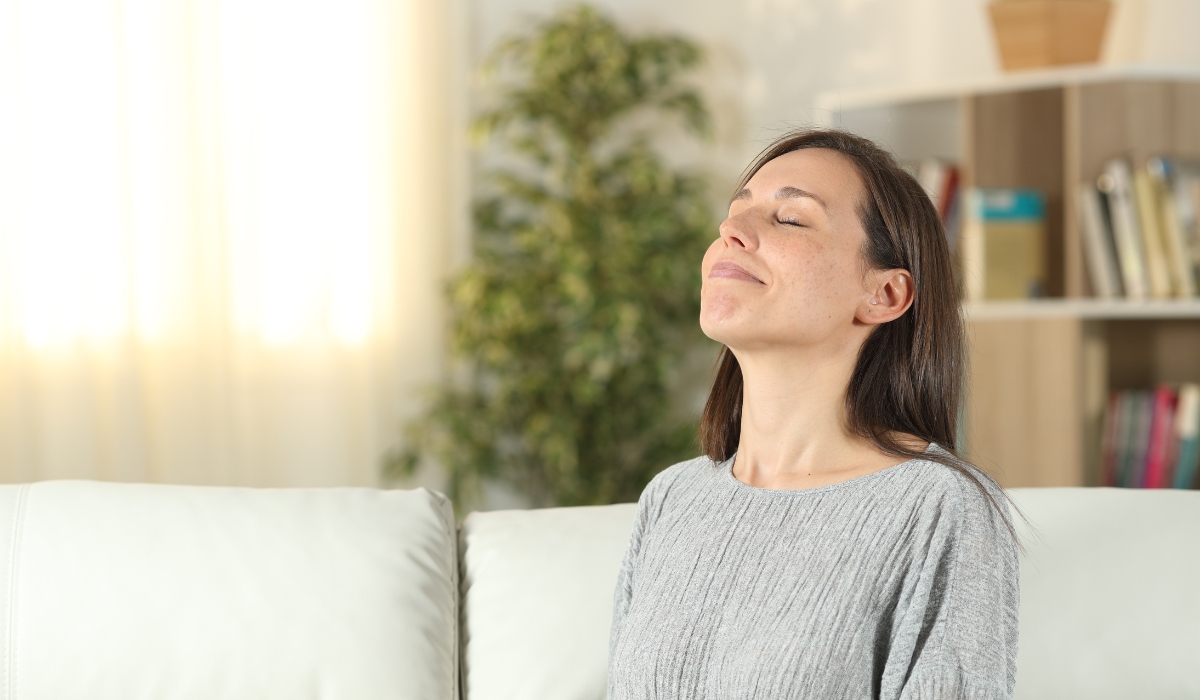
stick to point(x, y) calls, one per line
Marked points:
point(889, 294)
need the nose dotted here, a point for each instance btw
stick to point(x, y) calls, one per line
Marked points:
point(738, 231)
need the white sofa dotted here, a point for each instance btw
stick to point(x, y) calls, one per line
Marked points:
point(120, 591)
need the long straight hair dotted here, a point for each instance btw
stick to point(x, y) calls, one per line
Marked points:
point(909, 377)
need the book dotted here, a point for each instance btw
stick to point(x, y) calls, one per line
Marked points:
point(1162, 424)
point(1194, 192)
point(1175, 243)
point(1139, 438)
point(940, 181)
point(1101, 255)
point(1126, 437)
point(1117, 185)
point(1151, 439)
point(950, 209)
point(1186, 185)
point(934, 175)
point(953, 225)
point(1004, 244)
point(1187, 430)
point(1146, 198)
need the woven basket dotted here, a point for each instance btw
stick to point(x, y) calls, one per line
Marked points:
point(1040, 33)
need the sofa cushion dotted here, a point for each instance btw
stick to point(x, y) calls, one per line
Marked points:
point(1110, 605)
point(122, 591)
point(1110, 594)
point(537, 600)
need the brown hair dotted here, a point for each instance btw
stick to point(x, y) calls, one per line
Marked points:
point(909, 376)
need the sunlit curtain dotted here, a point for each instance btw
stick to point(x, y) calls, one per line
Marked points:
point(220, 238)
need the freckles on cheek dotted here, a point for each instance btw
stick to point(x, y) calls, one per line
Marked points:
point(818, 294)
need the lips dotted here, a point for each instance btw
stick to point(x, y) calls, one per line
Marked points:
point(732, 271)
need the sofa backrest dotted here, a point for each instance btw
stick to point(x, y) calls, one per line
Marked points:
point(1110, 594)
point(122, 591)
point(537, 600)
point(138, 591)
point(1110, 597)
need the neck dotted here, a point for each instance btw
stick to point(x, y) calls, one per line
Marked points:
point(794, 416)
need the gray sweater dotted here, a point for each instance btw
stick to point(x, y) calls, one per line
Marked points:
point(901, 584)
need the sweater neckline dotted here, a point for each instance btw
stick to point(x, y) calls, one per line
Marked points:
point(726, 468)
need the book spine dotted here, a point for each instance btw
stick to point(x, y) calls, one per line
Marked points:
point(949, 193)
point(1183, 283)
point(1187, 428)
point(973, 262)
point(951, 218)
point(1117, 185)
point(1161, 426)
point(1127, 437)
point(1188, 199)
point(1102, 264)
point(1157, 270)
point(1141, 438)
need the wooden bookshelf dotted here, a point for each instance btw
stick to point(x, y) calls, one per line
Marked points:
point(1041, 370)
point(1091, 309)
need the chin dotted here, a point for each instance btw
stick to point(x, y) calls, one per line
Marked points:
point(724, 328)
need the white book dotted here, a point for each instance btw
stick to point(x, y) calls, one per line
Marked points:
point(932, 174)
point(1117, 185)
point(1097, 244)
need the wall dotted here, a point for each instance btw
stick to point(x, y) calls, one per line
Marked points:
point(768, 59)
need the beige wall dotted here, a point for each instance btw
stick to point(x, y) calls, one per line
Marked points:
point(770, 58)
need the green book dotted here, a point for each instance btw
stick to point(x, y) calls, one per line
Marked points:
point(1126, 433)
point(1187, 429)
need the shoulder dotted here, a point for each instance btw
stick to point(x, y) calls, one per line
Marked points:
point(675, 483)
point(681, 476)
point(957, 489)
point(964, 497)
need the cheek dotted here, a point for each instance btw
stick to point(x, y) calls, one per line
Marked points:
point(822, 281)
point(708, 260)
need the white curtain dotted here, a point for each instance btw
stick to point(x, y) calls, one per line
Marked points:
point(222, 236)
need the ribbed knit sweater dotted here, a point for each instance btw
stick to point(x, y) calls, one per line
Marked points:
point(901, 584)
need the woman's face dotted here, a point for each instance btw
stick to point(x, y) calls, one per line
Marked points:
point(787, 269)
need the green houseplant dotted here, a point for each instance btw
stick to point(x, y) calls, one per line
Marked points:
point(584, 290)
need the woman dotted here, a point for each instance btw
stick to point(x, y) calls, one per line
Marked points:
point(830, 544)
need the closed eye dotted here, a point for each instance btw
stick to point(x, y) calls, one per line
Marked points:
point(790, 222)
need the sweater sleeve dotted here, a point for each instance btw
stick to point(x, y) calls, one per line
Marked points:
point(624, 590)
point(649, 505)
point(957, 635)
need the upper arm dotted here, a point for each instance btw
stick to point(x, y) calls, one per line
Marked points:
point(969, 583)
point(650, 504)
point(623, 593)
point(624, 589)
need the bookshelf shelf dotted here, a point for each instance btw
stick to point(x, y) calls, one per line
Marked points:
point(836, 101)
point(1041, 370)
point(1088, 309)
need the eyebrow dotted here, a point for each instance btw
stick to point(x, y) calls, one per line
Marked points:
point(784, 193)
